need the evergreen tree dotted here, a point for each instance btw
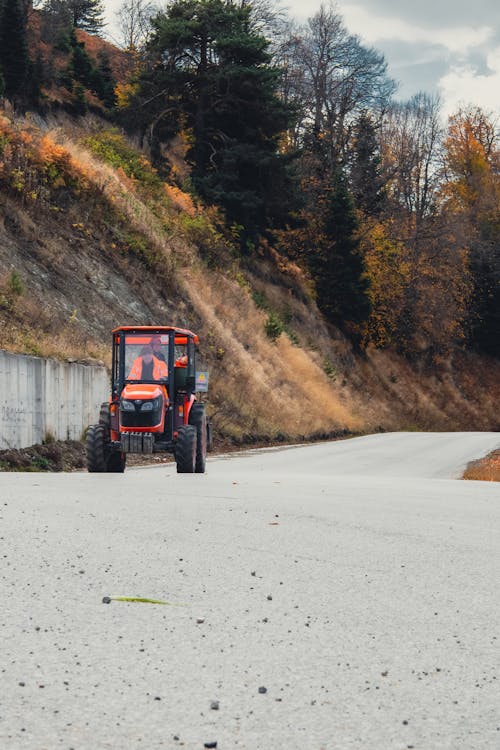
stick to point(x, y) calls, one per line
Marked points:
point(336, 262)
point(367, 183)
point(82, 14)
point(81, 67)
point(485, 269)
point(82, 71)
point(103, 80)
point(209, 74)
point(14, 60)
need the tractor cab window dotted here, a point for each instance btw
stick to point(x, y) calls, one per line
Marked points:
point(181, 355)
point(146, 357)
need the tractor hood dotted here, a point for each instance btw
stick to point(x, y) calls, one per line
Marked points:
point(143, 392)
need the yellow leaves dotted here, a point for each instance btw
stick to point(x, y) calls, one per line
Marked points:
point(124, 93)
point(388, 273)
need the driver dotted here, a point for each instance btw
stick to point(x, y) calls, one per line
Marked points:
point(157, 351)
point(148, 367)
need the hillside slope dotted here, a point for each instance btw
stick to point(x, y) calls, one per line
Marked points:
point(90, 238)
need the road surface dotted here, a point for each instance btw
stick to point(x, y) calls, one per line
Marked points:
point(356, 581)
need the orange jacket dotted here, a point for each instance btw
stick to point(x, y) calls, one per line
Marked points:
point(160, 369)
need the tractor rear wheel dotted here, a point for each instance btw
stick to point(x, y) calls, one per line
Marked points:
point(99, 456)
point(185, 450)
point(198, 418)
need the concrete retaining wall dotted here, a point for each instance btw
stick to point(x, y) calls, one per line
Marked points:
point(44, 396)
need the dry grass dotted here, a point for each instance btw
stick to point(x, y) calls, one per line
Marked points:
point(265, 388)
point(485, 469)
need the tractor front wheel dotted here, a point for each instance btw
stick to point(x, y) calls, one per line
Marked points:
point(99, 457)
point(198, 418)
point(185, 450)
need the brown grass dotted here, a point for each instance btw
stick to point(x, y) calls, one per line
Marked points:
point(265, 388)
point(485, 469)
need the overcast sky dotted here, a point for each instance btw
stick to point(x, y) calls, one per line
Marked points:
point(450, 47)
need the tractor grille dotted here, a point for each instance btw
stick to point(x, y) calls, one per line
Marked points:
point(137, 442)
point(139, 418)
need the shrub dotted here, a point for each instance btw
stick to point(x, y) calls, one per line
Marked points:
point(330, 370)
point(259, 300)
point(112, 147)
point(274, 326)
point(15, 284)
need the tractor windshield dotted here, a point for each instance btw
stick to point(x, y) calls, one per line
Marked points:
point(146, 357)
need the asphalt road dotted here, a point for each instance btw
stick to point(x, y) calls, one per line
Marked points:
point(355, 581)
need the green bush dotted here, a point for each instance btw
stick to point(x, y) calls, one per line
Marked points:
point(329, 369)
point(274, 326)
point(112, 147)
point(259, 300)
point(15, 284)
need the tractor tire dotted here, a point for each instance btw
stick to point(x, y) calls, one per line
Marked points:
point(116, 462)
point(99, 457)
point(96, 448)
point(185, 450)
point(198, 418)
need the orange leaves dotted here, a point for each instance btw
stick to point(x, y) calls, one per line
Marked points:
point(472, 158)
point(181, 200)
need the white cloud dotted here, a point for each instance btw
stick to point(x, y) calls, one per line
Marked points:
point(463, 85)
point(375, 28)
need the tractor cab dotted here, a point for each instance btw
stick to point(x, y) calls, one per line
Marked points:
point(153, 405)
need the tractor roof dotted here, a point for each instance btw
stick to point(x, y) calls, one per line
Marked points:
point(157, 329)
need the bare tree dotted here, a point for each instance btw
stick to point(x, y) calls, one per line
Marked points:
point(134, 22)
point(335, 79)
point(411, 136)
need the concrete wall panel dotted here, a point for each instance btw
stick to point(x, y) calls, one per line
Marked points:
point(44, 396)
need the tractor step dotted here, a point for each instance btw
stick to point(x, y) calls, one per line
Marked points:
point(137, 442)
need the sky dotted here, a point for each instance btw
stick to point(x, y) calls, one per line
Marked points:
point(444, 47)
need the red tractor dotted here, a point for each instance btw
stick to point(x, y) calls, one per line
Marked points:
point(153, 405)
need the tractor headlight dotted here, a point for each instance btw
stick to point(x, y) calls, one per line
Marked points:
point(151, 405)
point(127, 405)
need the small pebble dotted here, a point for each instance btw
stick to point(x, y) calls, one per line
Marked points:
point(262, 689)
point(214, 705)
point(106, 600)
point(210, 744)
point(269, 598)
point(200, 620)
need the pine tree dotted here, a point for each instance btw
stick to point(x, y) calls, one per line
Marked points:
point(336, 262)
point(367, 183)
point(14, 59)
point(81, 68)
point(104, 82)
point(209, 74)
point(81, 14)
